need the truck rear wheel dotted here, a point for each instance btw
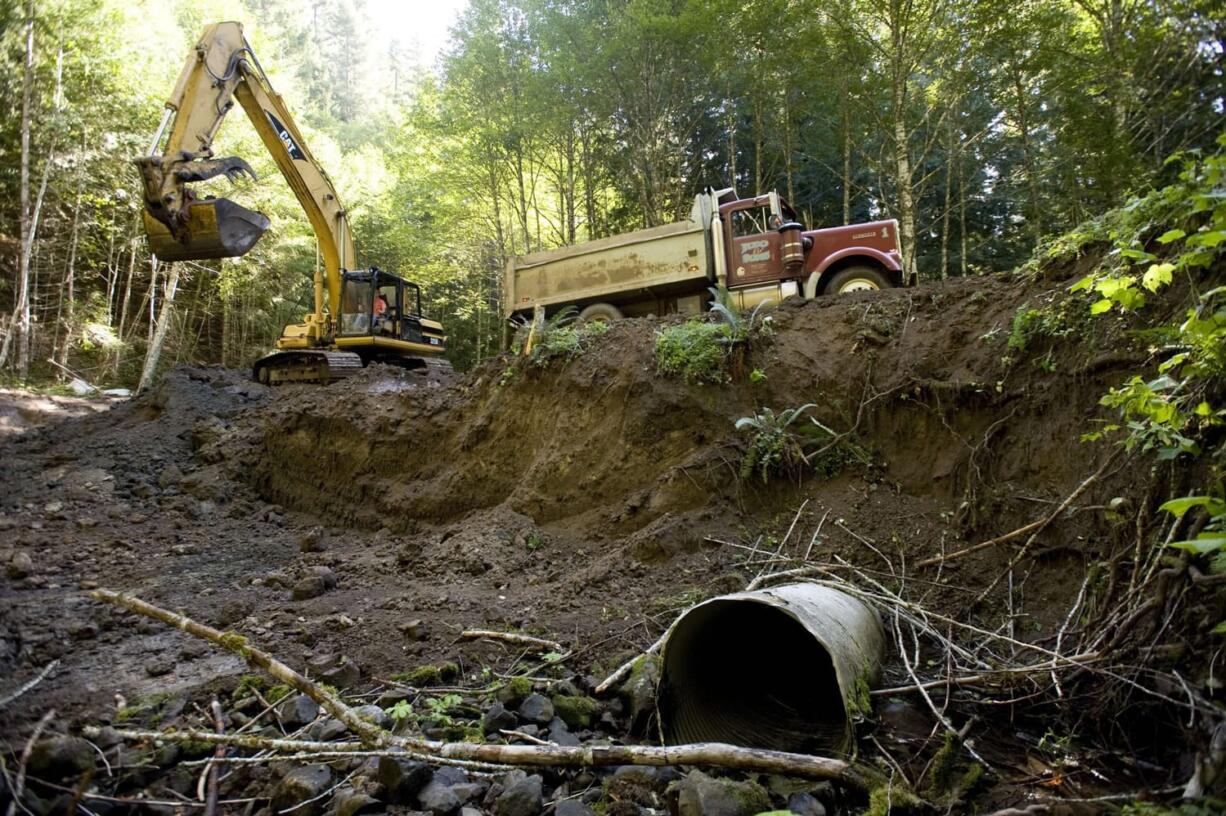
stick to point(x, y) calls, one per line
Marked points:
point(857, 279)
point(600, 313)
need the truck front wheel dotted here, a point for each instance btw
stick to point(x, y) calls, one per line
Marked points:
point(856, 279)
point(600, 313)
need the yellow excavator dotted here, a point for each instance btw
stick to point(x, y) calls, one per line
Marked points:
point(360, 315)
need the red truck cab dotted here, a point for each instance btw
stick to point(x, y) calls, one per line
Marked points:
point(765, 245)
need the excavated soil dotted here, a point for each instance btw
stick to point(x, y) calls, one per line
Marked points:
point(588, 500)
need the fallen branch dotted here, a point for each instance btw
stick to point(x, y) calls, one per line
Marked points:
point(20, 785)
point(709, 754)
point(624, 669)
point(511, 637)
point(42, 675)
point(715, 755)
point(1035, 527)
point(238, 644)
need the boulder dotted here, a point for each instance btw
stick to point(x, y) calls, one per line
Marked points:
point(805, 804)
point(572, 807)
point(536, 708)
point(702, 795)
point(438, 798)
point(299, 787)
point(521, 797)
point(310, 587)
point(297, 711)
point(57, 759)
point(402, 778)
point(497, 718)
point(350, 802)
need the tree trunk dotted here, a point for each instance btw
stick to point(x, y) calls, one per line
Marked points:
point(22, 308)
point(846, 99)
point(68, 295)
point(159, 335)
point(902, 165)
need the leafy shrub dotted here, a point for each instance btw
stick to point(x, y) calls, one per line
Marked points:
point(695, 351)
point(566, 342)
point(780, 448)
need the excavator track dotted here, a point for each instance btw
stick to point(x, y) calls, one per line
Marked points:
point(307, 366)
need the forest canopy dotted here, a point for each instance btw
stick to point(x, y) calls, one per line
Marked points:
point(981, 126)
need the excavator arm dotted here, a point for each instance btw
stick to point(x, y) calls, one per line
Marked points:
point(181, 226)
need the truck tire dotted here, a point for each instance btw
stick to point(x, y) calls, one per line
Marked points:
point(856, 279)
point(600, 313)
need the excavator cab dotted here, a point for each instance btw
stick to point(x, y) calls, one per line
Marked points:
point(214, 228)
point(384, 306)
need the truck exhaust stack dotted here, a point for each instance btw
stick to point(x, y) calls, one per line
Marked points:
point(784, 668)
point(215, 228)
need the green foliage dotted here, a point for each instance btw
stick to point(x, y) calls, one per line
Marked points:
point(1168, 413)
point(403, 709)
point(1206, 806)
point(441, 709)
point(695, 351)
point(566, 342)
point(1211, 541)
point(757, 375)
point(778, 447)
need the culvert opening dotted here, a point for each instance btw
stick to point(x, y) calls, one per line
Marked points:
point(747, 673)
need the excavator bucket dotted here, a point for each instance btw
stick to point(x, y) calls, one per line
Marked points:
point(216, 228)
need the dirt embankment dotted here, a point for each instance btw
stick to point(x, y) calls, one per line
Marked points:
point(579, 500)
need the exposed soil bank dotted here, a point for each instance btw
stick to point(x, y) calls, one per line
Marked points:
point(580, 500)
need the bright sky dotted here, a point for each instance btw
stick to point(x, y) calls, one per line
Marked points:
point(420, 27)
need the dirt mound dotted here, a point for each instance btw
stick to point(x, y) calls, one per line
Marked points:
point(590, 499)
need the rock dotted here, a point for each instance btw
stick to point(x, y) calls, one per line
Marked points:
point(80, 388)
point(470, 811)
point(310, 587)
point(297, 711)
point(299, 786)
point(438, 798)
point(325, 573)
point(312, 540)
point(349, 802)
point(451, 775)
point(402, 778)
point(57, 759)
point(170, 475)
point(497, 718)
point(342, 674)
point(536, 708)
point(639, 691)
point(374, 715)
point(521, 797)
point(158, 667)
point(806, 804)
point(572, 807)
point(233, 611)
point(330, 730)
point(468, 791)
point(20, 565)
point(514, 692)
point(702, 795)
point(576, 711)
point(53, 509)
point(413, 629)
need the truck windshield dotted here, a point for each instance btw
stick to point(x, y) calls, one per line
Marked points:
point(357, 298)
point(752, 221)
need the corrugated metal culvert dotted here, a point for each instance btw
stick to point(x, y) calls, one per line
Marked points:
point(784, 668)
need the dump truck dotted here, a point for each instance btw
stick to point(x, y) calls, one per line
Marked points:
point(754, 247)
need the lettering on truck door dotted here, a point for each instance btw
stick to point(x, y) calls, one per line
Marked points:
point(755, 248)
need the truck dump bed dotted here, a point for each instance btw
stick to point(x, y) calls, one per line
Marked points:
point(598, 270)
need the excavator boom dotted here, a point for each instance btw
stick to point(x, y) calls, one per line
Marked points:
point(337, 338)
point(221, 70)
